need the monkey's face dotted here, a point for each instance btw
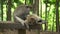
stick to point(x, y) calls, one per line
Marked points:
point(34, 19)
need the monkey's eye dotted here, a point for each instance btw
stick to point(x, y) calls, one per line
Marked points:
point(40, 21)
point(27, 6)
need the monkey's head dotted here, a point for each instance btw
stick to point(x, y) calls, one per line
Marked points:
point(34, 19)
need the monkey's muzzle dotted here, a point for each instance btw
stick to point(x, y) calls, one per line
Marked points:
point(41, 22)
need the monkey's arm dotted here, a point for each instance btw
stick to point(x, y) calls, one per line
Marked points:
point(23, 22)
point(20, 20)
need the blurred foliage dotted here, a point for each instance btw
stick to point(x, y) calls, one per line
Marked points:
point(50, 9)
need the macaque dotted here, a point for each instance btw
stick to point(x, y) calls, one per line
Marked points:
point(20, 13)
